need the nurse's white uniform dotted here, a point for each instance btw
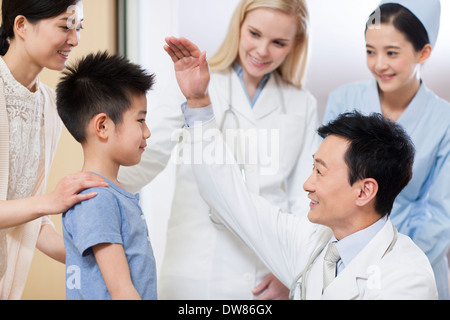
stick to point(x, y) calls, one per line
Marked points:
point(422, 210)
point(204, 260)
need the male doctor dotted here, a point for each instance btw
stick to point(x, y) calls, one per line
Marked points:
point(346, 247)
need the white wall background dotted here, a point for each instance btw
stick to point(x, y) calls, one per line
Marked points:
point(337, 57)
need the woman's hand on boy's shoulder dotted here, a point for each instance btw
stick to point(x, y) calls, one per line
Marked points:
point(67, 192)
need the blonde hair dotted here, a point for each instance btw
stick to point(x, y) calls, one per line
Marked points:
point(293, 69)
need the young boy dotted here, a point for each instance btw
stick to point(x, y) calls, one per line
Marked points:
point(102, 101)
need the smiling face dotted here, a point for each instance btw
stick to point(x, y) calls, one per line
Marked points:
point(267, 37)
point(129, 139)
point(392, 60)
point(60, 35)
point(332, 197)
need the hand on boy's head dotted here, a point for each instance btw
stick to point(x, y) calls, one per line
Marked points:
point(67, 191)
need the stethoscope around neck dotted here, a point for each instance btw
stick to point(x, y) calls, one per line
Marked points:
point(229, 112)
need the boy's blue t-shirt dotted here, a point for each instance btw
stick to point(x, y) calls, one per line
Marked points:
point(113, 216)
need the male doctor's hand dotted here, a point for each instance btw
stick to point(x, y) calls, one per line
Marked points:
point(191, 69)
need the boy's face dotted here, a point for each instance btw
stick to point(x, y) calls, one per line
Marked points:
point(129, 137)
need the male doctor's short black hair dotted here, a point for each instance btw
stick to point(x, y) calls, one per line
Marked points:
point(379, 149)
point(99, 83)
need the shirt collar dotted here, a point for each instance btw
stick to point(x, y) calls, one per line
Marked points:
point(240, 73)
point(352, 245)
point(238, 69)
point(409, 116)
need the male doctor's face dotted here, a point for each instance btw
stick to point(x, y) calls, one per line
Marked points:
point(332, 197)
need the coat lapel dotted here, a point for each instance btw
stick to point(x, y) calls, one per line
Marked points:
point(315, 278)
point(270, 99)
point(242, 120)
point(226, 90)
point(352, 281)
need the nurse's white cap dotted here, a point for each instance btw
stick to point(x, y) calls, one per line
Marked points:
point(427, 11)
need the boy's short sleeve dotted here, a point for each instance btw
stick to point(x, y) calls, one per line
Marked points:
point(94, 221)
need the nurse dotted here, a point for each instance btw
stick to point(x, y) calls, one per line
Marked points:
point(256, 91)
point(400, 36)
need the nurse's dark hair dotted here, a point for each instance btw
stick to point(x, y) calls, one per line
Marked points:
point(379, 149)
point(99, 83)
point(404, 21)
point(33, 10)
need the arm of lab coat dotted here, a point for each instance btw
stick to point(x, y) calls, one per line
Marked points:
point(283, 241)
point(433, 238)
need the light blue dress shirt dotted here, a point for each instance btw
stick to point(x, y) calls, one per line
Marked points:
point(422, 210)
point(240, 73)
point(351, 246)
point(196, 115)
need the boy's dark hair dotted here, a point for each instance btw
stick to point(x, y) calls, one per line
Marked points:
point(406, 22)
point(379, 149)
point(99, 83)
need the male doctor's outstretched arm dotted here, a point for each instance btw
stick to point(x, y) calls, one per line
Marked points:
point(192, 73)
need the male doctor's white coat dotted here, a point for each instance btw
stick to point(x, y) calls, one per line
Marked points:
point(390, 266)
point(204, 260)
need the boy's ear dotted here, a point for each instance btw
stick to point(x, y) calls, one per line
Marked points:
point(101, 125)
point(368, 189)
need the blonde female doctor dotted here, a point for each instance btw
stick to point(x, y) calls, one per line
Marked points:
point(269, 120)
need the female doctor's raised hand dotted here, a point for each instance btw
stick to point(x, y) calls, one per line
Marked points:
point(191, 70)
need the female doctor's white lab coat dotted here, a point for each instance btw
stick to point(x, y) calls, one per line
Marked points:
point(204, 260)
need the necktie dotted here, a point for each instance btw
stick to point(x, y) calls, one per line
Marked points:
point(329, 264)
